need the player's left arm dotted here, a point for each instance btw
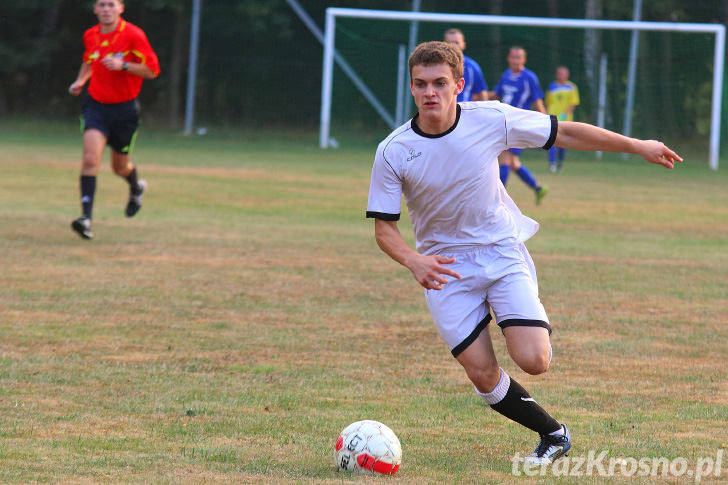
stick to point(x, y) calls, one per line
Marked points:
point(582, 136)
point(147, 66)
point(136, 68)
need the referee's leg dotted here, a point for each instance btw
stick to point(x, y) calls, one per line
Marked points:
point(94, 142)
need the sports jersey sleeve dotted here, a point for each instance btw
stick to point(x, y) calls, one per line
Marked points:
point(529, 129)
point(385, 190)
point(142, 50)
point(536, 92)
point(499, 87)
point(479, 83)
point(549, 100)
point(575, 95)
point(88, 52)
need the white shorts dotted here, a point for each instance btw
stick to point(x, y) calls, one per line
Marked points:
point(500, 276)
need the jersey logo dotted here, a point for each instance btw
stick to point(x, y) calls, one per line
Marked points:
point(413, 154)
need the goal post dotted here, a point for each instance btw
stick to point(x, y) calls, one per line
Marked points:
point(718, 30)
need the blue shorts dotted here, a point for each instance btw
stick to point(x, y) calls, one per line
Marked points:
point(118, 122)
point(516, 151)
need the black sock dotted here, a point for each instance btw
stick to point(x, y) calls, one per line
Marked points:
point(521, 408)
point(88, 189)
point(133, 180)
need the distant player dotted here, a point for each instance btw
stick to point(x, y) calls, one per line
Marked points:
point(476, 88)
point(117, 58)
point(469, 235)
point(562, 97)
point(519, 87)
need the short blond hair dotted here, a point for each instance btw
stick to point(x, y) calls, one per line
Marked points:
point(454, 31)
point(435, 52)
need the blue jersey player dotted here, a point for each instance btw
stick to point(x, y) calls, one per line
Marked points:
point(519, 87)
point(476, 88)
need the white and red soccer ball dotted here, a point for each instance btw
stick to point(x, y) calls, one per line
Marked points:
point(368, 447)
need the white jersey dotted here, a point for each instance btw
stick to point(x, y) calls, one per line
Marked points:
point(451, 181)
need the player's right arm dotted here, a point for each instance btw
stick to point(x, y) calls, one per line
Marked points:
point(84, 74)
point(427, 270)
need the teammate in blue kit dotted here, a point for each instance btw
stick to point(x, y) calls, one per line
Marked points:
point(476, 89)
point(519, 87)
point(470, 255)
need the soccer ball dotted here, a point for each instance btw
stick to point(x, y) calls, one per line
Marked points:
point(368, 447)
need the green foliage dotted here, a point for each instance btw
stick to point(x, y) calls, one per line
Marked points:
point(259, 64)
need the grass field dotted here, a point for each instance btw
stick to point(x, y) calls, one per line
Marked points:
point(229, 332)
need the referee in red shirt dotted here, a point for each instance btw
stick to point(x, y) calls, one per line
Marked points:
point(116, 60)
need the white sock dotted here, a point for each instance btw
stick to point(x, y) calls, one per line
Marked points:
point(551, 353)
point(558, 432)
point(499, 392)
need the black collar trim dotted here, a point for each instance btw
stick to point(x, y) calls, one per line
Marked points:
point(417, 129)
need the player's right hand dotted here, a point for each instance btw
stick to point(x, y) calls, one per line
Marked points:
point(75, 88)
point(429, 271)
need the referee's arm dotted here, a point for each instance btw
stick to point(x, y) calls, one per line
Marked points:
point(136, 68)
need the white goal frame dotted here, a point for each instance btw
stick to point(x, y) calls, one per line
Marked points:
point(718, 56)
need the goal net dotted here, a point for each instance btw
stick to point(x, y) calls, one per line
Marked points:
point(677, 84)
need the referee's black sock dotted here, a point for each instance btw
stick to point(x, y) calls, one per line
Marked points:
point(511, 400)
point(133, 181)
point(88, 189)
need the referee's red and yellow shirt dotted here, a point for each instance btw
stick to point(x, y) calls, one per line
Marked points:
point(127, 42)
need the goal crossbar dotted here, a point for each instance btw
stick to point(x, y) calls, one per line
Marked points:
point(718, 55)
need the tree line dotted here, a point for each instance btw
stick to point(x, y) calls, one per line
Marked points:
point(258, 63)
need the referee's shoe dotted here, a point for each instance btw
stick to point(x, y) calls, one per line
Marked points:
point(135, 199)
point(82, 226)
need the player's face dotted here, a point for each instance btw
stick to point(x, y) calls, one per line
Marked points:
point(516, 60)
point(435, 90)
point(562, 74)
point(108, 11)
point(456, 39)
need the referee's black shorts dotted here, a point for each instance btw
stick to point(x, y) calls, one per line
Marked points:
point(118, 122)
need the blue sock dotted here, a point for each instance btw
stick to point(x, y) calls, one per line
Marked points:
point(505, 170)
point(526, 176)
point(562, 154)
point(552, 154)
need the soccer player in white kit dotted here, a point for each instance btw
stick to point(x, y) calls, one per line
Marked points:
point(445, 163)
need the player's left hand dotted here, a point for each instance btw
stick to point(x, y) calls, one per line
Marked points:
point(656, 152)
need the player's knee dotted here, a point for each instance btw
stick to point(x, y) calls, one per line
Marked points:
point(535, 364)
point(89, 162)
point(484, 379)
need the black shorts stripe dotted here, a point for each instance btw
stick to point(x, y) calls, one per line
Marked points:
point(554, 131)
point(473, 335)
point(383, 216)
point(519, 322)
